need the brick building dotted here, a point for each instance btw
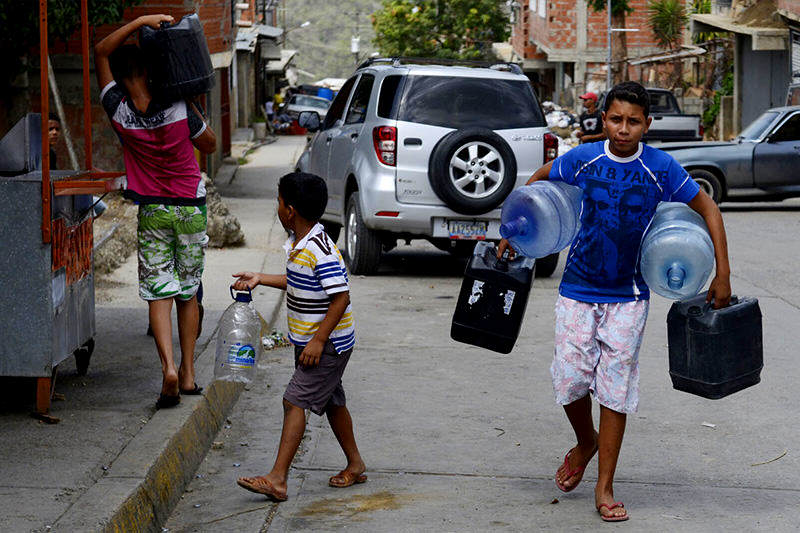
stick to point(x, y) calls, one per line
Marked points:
point(564, 47)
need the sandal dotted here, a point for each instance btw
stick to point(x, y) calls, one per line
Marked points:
point(612, 518)
point(346, 479)
point(196, 391)
point(261, 485)
point(167, 400)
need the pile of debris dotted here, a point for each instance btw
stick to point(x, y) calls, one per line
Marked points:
point(564, 124)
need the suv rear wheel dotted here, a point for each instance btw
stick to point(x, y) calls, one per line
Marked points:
point(362, 247)
point(472, 170)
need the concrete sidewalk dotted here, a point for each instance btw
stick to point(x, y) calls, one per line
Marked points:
point(114, 462)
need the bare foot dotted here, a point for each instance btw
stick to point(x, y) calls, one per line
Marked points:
point(577, 459)
point(267, 485)
point(169, 386)
point(609, 509)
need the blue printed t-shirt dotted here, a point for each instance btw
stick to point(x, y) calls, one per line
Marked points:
point(620, 196)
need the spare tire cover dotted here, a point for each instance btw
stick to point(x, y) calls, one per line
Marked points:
point(472, 170)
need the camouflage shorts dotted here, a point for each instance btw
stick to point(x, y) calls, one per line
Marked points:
point(172, 241)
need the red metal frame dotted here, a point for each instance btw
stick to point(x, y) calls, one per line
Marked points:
point(91, 181)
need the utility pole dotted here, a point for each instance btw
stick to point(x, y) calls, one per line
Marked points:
point(608, 58)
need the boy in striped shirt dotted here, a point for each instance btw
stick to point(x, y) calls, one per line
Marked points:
point(320, 327)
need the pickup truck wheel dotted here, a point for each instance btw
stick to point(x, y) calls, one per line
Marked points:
point(362, 247)
point(545, 266)
point(708, 182)
point(472, 170)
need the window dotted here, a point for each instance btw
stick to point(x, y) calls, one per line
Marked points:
point(758, 127)
point(662, 103)
point(789, 130)
point(386, 100)
point(460, 102)
point(336, 110)
point(543, 8)
point(795, 38)
point(358, 105)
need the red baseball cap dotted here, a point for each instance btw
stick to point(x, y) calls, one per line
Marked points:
point(588, 96)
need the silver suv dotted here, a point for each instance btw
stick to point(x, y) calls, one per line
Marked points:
point(425, 151)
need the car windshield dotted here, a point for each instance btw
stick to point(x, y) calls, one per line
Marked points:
point(460, 102)
point(310, 101)
point(757, 128)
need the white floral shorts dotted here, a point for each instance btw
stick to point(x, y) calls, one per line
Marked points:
point(597, 351)
point(172, 241)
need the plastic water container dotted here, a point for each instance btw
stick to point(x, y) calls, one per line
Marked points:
point(677, 253)
point(178, 61)
point(238, 341)
point(542, 218)
point(715, 352)
point(492, 301)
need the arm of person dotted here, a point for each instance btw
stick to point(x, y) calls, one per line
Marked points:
point(251, 280)
point(720, 289)
point(104, 48)
point(206, 139)
point(313, 350)
point(592, 138)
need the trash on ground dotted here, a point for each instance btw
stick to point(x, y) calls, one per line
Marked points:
point(771, 460)
point(276, 339)
point(555, 501)
point(709, 425)
point(217, 445)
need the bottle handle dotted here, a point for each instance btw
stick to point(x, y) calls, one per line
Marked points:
point(233, 295)
point(501, 263)
point(709, 305)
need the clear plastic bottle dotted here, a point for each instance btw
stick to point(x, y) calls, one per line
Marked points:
point(238, 340)
point(542, 218)
point(677, 253)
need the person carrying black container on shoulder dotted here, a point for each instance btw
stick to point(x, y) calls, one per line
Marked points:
point(603, 299)
point(591, 120)
point(158, 141)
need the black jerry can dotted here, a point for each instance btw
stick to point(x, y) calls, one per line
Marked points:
point(178, 61)
point(492, 301)
point(715, 352)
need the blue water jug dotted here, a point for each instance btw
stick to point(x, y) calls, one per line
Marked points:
point(677, 253)
point(542, 218)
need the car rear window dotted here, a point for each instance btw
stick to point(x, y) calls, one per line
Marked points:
point(662, 103)
point(387, 97)
point(461, 102)
point(310, 101)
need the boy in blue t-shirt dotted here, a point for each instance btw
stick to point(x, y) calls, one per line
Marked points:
point(603, 299)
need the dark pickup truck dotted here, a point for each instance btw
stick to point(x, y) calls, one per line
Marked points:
point(669, 124)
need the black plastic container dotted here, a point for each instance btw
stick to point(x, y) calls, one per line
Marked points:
point(492, 301)
point(178, 61)
point(715, 352)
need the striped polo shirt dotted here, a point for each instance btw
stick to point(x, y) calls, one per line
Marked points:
point(315, 271)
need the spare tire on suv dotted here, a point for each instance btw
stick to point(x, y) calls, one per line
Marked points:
point(472, 170)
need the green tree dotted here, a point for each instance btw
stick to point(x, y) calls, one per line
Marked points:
point(20, 22)
point(619, 43)
point(667, 19)
point(462, 29)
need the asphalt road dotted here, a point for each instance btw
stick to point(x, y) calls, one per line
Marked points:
point(457, 438)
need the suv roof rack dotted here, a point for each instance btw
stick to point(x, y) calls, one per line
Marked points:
point(400, 61)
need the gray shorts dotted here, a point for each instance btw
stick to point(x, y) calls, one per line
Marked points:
point(318, 387)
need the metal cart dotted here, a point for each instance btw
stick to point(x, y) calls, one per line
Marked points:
point(46, 239)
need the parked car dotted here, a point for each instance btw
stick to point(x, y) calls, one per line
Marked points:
point(763, 159)
point(669, 123)
point(305, 102)
point(425, 151)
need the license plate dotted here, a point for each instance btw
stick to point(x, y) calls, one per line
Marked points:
point(467, 229)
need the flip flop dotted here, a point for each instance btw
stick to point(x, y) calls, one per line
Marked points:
point(261, 485)
point(167, 400)
point(196, 391)
point(617, 505)
point(575, 472)
point(347, 479)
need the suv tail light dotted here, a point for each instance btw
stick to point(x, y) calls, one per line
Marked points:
point(385, 140)
point(550, 147)
point(701, 130)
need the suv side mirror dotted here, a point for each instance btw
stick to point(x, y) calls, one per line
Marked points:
point(309, 120)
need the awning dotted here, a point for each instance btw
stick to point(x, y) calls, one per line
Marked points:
point(277, 66)
point(764, 37)
point(686, 51)
point(332, 83)
point(246, 38)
